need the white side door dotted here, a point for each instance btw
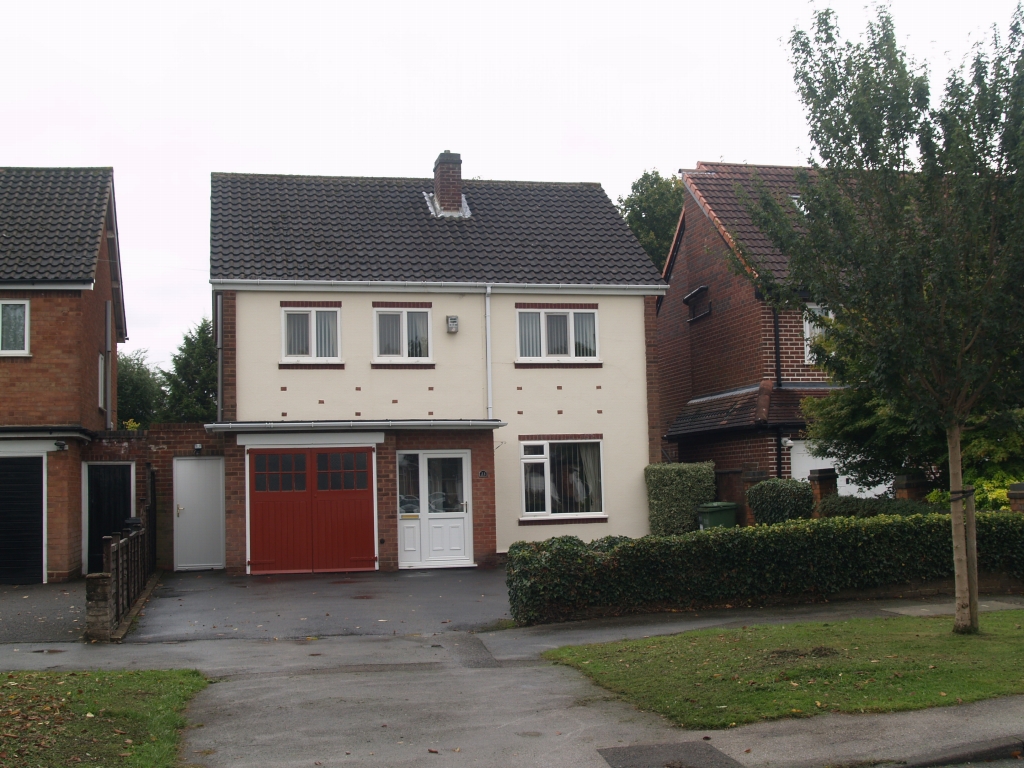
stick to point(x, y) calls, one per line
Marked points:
point(435, 526)
point(198, 513)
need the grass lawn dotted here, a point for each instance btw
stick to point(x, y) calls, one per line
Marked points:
point(93, 718)
point(719, 678)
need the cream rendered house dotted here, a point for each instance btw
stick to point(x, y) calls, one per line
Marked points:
point(419, 372)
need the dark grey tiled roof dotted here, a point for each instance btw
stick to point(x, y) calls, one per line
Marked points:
point(720, 185)
point(51, 222)
point(354, 229)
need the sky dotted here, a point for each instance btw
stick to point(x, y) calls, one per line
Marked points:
point(168, 92)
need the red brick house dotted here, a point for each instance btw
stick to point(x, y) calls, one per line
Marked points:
point(61, 318)
point(732, 370)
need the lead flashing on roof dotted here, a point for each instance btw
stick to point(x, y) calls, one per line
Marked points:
point(439, 213)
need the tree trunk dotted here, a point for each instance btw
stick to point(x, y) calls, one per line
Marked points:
point(962, 619)
point(972, 554)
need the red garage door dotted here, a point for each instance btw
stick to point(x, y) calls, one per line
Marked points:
point(311, 510)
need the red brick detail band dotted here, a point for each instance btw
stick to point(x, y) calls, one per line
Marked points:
point(404, 304)
point(594, 436)
point(524, 305)
point(401, 366)
point(569, 521)
point(311, 366)
point(310, 303)
point(559, 365)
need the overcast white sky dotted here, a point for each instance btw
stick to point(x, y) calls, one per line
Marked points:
point(166, 92)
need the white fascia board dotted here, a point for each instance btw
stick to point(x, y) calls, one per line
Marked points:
point(42, 285)
point(33, 447)
point(302, 439)
point(384, 286)
point(338, 426)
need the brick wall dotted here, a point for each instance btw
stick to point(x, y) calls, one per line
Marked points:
point(791, 347)
point(59, 382)
point(654, 429)
point(229, 392)
point(64, 513)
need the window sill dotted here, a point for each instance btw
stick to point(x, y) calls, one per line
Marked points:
point(562, 520)
point(15, 354)
point(560, 365)
point(311, 366)
point(401, 366)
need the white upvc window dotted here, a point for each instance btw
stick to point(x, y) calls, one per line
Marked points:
point(402, 335)
point(562, 478)
point(556, 335)
point(102, 381)
point(812, 329)
point(14, 327)
point(310, 335)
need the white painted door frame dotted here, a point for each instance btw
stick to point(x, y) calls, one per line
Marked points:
point(418, 525)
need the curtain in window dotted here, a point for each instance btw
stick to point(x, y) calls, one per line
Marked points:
point(298, 333)
point(326, 334)
point(575, 477)
point(389, 333)
point(558, 335)
point(585, 327)
point(418, 334)
point(529, 334)
point(12, 327)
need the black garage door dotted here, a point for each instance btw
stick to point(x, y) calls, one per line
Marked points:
point(21, 520)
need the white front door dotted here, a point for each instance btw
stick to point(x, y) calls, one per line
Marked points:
point(198, 513)
point(435, 525)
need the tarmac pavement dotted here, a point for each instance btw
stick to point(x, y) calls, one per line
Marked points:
point(386, 693)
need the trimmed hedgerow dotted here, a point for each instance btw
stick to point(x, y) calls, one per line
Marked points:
point(673, 493)
point(780, 499)
point(852, 506)
point(563, 578)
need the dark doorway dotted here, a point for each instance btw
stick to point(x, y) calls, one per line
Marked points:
point(21, 520)
point(110, 503)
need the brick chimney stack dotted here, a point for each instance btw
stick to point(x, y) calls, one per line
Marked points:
point(448, 182)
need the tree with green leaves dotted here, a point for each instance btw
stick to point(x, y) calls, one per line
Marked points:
point(908, 233)
point(191, 383)
point(140, 396)
point(651, 210)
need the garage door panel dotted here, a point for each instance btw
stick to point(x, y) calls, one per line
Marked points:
point(343, 535)
point(280, 535)
point(21, 520)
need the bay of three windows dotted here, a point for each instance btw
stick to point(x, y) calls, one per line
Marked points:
point(315, 334)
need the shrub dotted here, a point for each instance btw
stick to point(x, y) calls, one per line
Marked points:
point(852, 506)
point(673, 493)
point(779, 499)
point(563, 578)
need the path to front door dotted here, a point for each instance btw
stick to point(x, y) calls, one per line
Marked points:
point(435, 509)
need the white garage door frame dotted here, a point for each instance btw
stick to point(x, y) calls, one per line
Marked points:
point(31, 449)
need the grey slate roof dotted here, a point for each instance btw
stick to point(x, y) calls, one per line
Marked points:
point(51, 222)
point(719, 185)
point(380, 229)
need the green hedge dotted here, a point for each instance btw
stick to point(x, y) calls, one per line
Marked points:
point(852, 506)
point(780, 499)
point(563, 578)
point(673, 493)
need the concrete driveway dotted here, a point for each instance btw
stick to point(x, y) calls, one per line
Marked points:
point(210, 604)
point(42, 612)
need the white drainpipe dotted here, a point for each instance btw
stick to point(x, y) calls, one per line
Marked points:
point(487, 345)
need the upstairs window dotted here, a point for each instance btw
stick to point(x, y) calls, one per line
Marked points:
point(102, 381)
point(311, 335)
point(403, 334)
point(14, 321)
point(557, 334)
point(812, 329)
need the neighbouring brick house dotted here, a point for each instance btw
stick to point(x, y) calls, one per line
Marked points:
point(732, 370)
point(419, 372)
point(61, 318)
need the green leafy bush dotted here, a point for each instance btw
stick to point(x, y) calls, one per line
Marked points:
point(991, 490)
point(563, 578)
point(673, 493)
point(780, 499)
point(852, 506)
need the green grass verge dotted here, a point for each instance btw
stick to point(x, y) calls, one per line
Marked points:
point(109, 719)
point(720, 678)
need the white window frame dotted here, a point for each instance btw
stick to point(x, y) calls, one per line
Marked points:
point(812, 330)
point(545, 459)
point(26, 352)
point(102, 378)
point(571, 357)
point(404, 356)
point(311, 357)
